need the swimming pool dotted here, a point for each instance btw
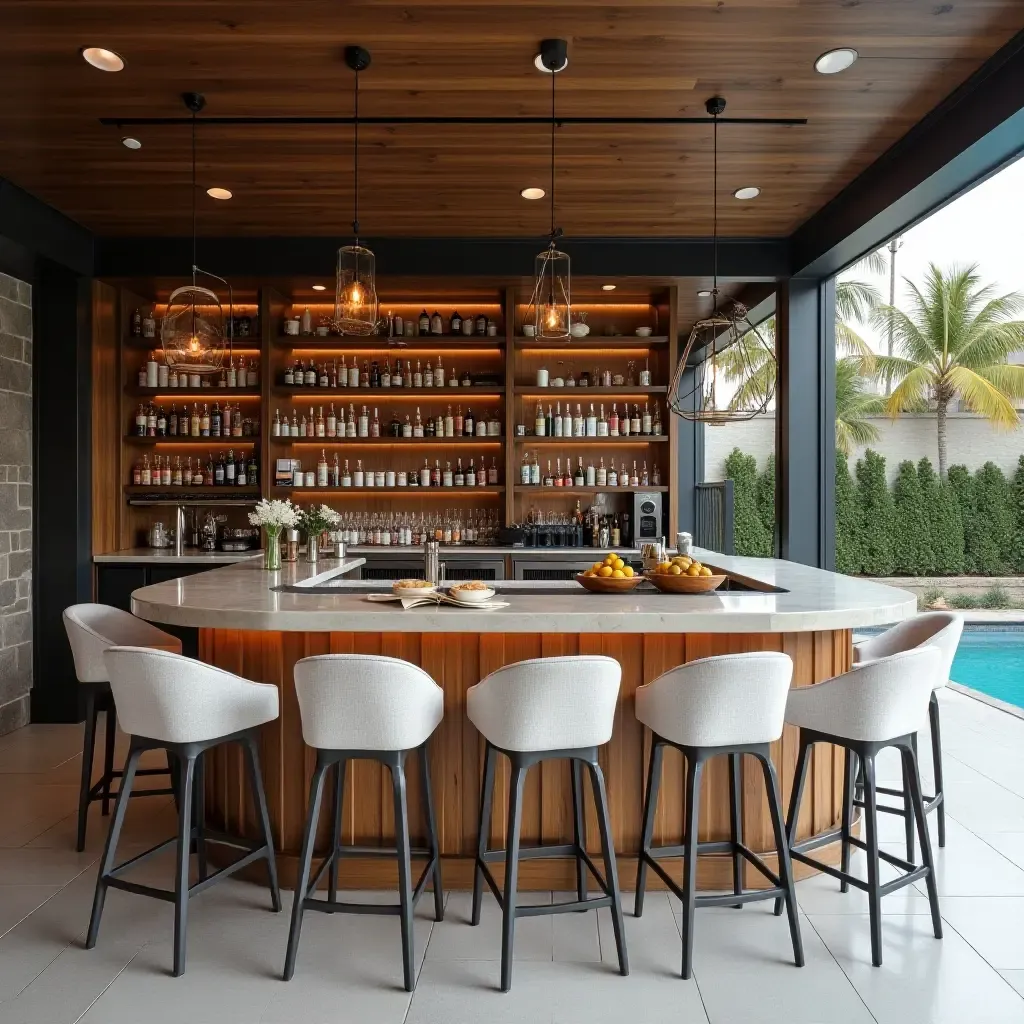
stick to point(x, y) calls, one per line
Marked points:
point(991, 659)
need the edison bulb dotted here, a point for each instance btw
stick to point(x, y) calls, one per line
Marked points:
point(357, 293)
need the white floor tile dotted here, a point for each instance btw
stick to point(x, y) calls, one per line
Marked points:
point(1015, 979)
point(820, 893)
point(18, 901)
point(1009, 844)
point(922, 980)
point(993, 925)
point(968, 866)
point(456, 939)
point(985, 806)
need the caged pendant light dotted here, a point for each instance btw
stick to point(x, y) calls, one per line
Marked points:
point(729, 365)
point(192, 330)
point(355, 287)
point(550, 308)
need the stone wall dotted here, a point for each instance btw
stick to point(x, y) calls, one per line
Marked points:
point(15, 502)
point(972, 442)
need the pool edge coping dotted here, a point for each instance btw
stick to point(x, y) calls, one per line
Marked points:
point(985, 698)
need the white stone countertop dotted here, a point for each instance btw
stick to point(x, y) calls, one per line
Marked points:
point(164, 556)
point(240, 597)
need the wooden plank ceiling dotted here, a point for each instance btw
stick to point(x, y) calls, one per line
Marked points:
point(661, 57)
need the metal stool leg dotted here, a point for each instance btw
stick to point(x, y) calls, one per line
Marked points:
point(908, 807)
point(316, 790)
point(610, 870)
point(736, 823)
point(803, 760)
point(914, 776)
point(508, 920)
point(199, 818)
point(187, 768)
point(259, 799)
point(88, 748)
point(650, 811)
point(849, 776)
point(432, 840)
point(110, 849)
point(579, 826)
point(940, 789)
point(110, 724)
point(338, 795)
point(771, 784)
point(871, 829)
point(694, 768)
point(404, 871)
point(484, 830)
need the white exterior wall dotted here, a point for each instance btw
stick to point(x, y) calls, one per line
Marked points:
point(971, 442)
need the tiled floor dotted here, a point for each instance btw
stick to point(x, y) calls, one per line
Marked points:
point(349, 967)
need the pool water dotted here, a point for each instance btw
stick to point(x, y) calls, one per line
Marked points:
point(992, 661)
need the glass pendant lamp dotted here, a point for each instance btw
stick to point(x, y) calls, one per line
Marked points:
point(550, 308)
point(355, 287)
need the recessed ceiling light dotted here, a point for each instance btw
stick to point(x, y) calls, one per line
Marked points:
point(218, 193)
point(129, 143)
point(748, 192)
point(105, 60)
point(319, 287)
point(607, 287)
point(533, 193)
point(538, 63)
point(704, 293)
point(834, 61)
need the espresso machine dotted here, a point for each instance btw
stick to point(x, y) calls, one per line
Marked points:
point(646, 519)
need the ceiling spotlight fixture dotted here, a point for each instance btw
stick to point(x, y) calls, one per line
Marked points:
point(724, 347)
point(533, 193)
point(130, 143)
point(747, 192)
point(550, 307)
point(704, 293)
point(553, 56)
point(355, 281)
point(319, 287)
point(607, 287)
point(105, 60)
point(219, 193)
point(833, 61)
point(192, 329)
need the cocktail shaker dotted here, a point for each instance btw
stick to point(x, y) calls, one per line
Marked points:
point(432, 561)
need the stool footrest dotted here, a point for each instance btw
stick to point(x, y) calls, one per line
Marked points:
point(654, 853)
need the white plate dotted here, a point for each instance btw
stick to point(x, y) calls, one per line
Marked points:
point(412, 591)
point(470, 596)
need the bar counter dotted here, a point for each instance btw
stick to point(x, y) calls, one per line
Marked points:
point(259, 632)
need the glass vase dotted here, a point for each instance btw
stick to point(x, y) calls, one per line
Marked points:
point(313, 548)
point(272, 554)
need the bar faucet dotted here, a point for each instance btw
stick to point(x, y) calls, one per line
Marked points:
point(179, 530)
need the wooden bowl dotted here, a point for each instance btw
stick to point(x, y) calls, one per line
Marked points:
point(608, 584)
point(685, 584)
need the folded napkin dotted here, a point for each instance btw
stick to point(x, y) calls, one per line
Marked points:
point(437, 598)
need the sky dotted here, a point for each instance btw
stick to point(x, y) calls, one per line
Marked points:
point(984, 226)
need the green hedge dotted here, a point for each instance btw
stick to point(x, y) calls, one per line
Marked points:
point(920, 526)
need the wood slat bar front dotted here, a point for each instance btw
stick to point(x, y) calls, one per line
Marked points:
point(456, 662)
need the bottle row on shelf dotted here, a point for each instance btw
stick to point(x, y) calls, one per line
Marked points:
point(372, 375)
point(558, 423)
point(338, 473)
point(148, 325)
point(530, 474)
point(392, 529)
point(154, 421)
point(156, 374)
point(599, 378)
point(398, 326)
point(352, 425)
point(227, 469)
point(596, 527)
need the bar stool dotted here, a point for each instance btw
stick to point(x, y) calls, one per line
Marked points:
point(91, 629)
point(880, 704)
point(168, 702)
point(536, 711)
point(358, 706)
point(934, 629)
point(728, 705)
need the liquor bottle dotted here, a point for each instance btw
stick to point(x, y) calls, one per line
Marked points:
point(448, 427)
point(549, 480)
point(293, 429)
point(424, 322)
point(535, 470)
point(645, 479)
point(346, 475)
point(385, 376)
point(417, 377)
point(151, 421)
point(635, 423)
point(417, 424)
point(311, 379)
point(219, 470)
point(241, 471)
point(204, 422)
point(178, 477)
point(656, 425)
point(375, 375)
point(172, 421)
point(136, 324)
point(577, 423)
point(230, 468)
point(216, 421)
point(558, 472)
point(602, 424)
point(323, 379)
point(343, 373)
point(435, 474)
point(363, 429)
point(397, 380)
point(304, 426)
point(591, 422)
point(140, 421)
point(455, 324)
point(447, 477)
point(353, 373)
point(613, 476)
point(332, 422)
point(624, 422)
point(634, 478)
point(428, 375)
point(646, 422)
point(602, 474)
point(425, 475)
point(459, 423)
point(165, 473)
point(183, 422)
point(540, 422)
point(436, 323)
point(307, 321)
point(364, 374)
point(656, 476)
point(438, 374)
point(375, 424)
point(359, 476)
point(524, 469)
point(580, 479)
point(321, 469)
point(471, 473)
point(613, 422)
point(350, 423)
point(467, 381)
point(334, 373)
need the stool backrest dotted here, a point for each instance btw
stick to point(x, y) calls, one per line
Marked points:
point(366, 702)
point(92, 628)
point(936, 629)
point(169, 697)
point(884, 698)
point(726, 700)
point(548, 703)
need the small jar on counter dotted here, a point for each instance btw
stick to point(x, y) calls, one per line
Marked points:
point(290, 548)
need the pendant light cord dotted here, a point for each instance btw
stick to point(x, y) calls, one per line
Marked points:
point(714, 203)
point(355, 161)
point(193, 197)
point(553, 77)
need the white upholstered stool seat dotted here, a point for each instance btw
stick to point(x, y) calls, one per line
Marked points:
point(729, 705)
point(932, 629)
point(91, 630)
point(533, 711)
point(879, 704)
point(360, 706)
point(165, 701)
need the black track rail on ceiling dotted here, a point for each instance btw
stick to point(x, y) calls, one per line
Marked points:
point(123, 122)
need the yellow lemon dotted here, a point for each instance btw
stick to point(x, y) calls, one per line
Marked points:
point(627, 571)
point(618, 563)
point(589, 572)
point(705, 571)
point(596, 566)
point(664, 566)
point(694, 570)
point(605, 570)
point(676, 571)
point(618, 574)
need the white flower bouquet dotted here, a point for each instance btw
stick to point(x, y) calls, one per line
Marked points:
point(274, 516)
point(317, 518)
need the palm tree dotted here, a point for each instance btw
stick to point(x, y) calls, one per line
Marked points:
point(953, 343)
point(854, 403)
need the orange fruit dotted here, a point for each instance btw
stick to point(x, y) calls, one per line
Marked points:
point(618, 574)
point(705, 571)
point(694, 570)
point(676, 571)
point(605, 571)
point(627, 571)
